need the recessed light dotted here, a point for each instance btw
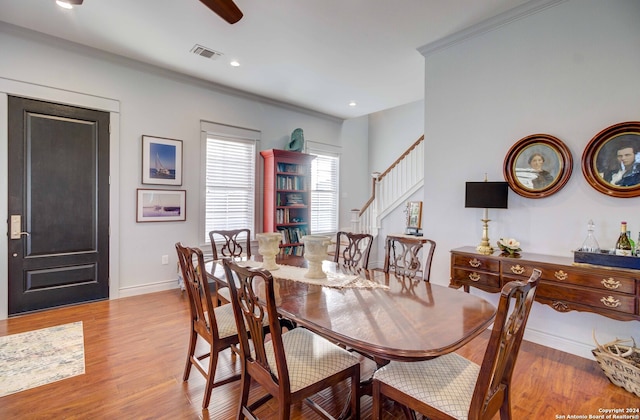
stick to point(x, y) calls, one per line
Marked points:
point(234, 63)
point(352, 103)
point(64, 4)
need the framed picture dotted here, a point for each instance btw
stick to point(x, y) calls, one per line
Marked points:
point(161, 161)
point(414, 215)
point(611, 160)
point(537, 166)
point(161, 205)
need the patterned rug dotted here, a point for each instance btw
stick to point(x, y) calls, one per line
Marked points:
point(39, 357)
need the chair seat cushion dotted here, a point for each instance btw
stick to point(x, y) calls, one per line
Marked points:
point(445, 383)
point(224, 294)
point(310, 358)
point(225, 320)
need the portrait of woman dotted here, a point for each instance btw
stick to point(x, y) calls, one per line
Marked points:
point(537, 167)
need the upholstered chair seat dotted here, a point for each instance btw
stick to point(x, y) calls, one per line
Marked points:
point(445, 383)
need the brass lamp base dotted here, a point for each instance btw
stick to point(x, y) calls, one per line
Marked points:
point(485, 247)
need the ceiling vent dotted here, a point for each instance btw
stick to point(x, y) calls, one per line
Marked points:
point(206, 52)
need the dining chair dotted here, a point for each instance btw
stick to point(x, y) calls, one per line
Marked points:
point(409, 257)
point(233, 243)
point(291, 366)
point(216, 325)
point(452, 387)
point(353, 249)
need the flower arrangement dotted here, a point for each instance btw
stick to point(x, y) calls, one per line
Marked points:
point(509, 246)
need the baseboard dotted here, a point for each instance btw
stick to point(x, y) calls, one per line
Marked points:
point(559, 343)
point(149, 288)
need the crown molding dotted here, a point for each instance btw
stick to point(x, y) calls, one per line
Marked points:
point(519, 12)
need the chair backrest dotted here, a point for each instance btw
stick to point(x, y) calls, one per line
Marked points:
point(502, 350)
point(195, 279)
point(428, 248)
point(253, 299)
point(410, 256)
point(353, 249)
point(231, 243)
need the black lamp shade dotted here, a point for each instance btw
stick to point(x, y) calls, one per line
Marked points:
point(486, 195)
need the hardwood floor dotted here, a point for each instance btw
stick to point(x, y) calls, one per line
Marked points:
point(135, 350)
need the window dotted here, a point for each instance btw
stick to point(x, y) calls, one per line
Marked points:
point(324, 191)
point(229, 178)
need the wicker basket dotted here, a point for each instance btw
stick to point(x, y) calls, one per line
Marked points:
point(621, 363)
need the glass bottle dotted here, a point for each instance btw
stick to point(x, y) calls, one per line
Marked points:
point(623, 246)
point(590, 244)
point(638, 246)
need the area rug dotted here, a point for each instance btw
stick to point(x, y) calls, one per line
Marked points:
point(39, 357)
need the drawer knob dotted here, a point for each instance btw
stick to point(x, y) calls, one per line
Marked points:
point(517, 269)
point(610, 302)
point(474, 276)
point(610, 283)
point(561, 275)
point(475, 263)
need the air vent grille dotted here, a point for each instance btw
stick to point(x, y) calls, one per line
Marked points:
point(206, 52)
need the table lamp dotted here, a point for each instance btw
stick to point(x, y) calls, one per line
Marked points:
point(486, 195)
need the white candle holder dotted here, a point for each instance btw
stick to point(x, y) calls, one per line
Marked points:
point(268, 247)
point(315, 251)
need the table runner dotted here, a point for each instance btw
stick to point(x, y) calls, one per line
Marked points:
point(334, 280)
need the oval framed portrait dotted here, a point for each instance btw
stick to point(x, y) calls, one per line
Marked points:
point(611, 160)
point(538, 165)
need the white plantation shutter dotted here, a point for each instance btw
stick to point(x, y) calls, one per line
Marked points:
point(324, 192)
point(229, 184)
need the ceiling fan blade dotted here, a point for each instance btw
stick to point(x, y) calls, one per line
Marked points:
point(226, 9)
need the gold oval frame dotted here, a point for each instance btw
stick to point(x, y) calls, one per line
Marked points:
point(598, 158)
point(558, 165)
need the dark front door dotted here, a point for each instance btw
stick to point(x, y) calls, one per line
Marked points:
point(58, 205)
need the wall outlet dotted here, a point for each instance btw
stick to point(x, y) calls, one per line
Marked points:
point(165, 259)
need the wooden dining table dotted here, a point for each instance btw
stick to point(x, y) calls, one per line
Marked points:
point(402, 318)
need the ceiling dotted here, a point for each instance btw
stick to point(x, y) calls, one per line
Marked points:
point(315, 54)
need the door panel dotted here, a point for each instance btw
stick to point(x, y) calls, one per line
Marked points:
point(59, 184)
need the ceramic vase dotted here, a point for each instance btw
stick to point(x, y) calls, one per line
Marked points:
point(315, 251)
point(268, 247)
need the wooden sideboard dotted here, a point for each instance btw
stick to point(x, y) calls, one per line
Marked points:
point(564, 285)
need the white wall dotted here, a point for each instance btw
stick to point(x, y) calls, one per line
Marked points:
point(159, 103)
point(569, 71)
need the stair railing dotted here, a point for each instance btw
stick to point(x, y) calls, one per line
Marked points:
point(391, 188)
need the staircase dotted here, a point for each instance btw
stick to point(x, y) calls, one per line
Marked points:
point(391, 189)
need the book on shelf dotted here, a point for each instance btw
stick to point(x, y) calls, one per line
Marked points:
point(292, 235)
point(284, 216)
point(294, 199)
point(290, 183)
point(289, 167)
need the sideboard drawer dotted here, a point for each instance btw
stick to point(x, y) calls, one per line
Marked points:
point(588, 297)
point(477, 278)
point(475, 262)
point(614, 282)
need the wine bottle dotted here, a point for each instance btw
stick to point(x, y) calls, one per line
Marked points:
point(638, 246)
point(623, 246)
point(633, 244)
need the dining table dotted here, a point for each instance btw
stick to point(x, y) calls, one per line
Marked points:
point(382, 315)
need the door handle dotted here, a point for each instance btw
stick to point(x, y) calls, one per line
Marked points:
point(16, 226)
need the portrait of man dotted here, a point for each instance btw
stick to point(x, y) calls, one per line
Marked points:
point(618, 161)
point(537, 166)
